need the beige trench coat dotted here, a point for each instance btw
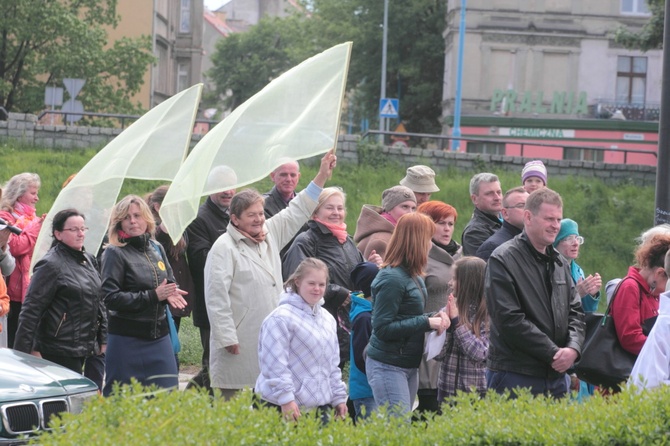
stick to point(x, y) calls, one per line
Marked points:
point(243, 281)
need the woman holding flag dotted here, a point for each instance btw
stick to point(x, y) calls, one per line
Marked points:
point(243, 279)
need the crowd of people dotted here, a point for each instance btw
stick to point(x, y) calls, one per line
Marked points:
point(284, 297)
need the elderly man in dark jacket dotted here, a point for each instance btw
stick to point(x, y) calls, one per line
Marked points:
point(537, 324)
point(486, 195)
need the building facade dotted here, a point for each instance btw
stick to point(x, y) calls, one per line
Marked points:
point(552, 60)
point(176, 30)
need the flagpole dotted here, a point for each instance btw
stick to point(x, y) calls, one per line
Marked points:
point(344, 92)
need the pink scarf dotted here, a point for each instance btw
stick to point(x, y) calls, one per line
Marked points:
point(25, 215)
point(339, 231)
point(389, 217)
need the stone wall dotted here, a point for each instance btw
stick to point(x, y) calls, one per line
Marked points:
point(26, 129)
point(442, 160)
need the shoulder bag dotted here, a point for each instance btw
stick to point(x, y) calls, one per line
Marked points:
point(604, 361)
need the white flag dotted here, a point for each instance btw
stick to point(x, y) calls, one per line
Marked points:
point(152, 148)
point(295, 116)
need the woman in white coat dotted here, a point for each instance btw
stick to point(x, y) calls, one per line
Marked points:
point(243, 279)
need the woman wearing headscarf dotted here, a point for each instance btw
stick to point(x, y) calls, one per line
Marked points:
point(62, 318)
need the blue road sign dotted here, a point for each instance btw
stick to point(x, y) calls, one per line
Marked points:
point(388, 108)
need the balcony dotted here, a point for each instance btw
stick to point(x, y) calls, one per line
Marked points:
point(632, 112)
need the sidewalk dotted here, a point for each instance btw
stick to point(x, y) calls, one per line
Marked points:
point(185, 375)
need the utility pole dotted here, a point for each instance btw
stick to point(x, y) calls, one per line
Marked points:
point(662, 211)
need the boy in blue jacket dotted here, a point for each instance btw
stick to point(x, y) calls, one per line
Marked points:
point(360, 316)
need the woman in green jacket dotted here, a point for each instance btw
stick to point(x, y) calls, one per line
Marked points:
point(398, 320)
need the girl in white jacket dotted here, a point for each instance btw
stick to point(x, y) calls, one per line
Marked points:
point(298, 351)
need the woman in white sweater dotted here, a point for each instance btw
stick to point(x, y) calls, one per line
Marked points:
point(298, 350)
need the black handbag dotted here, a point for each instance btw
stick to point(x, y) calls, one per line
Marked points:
point(604, 362)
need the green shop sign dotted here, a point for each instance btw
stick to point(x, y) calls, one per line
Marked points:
point(562, 102)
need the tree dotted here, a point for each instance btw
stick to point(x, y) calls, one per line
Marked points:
point(651, 35)
point(43, 42)
point(244, 63)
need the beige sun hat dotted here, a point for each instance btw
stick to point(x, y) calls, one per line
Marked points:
point(420, 179)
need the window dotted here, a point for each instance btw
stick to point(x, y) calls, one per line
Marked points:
point(185, 17)
point(183, 81)
point(161, 71)
point(634, 7)
point(489, 148)
point(579, 154)
point(631, 79)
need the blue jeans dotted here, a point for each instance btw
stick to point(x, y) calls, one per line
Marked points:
point(393, 386)
point(502, 380)
point(369, 404)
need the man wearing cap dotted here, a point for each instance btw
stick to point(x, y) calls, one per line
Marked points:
point(486, 195)
point(376, 224)
point(421, 179)
point(513, 203)
point(534, 176)
point(536, 319)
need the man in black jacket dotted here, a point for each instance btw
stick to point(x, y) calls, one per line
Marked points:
point(211, 222)
point(285, 178)
point(486, 195)
point(537, 324)
point(514, 201)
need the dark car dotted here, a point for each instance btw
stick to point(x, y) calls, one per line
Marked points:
point(32, 390)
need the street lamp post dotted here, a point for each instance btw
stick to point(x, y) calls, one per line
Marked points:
point(382, 121)
point(456, 131)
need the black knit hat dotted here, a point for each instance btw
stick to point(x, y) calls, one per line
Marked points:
point(362, 276)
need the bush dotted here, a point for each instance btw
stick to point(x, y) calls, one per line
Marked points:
point(195, 418)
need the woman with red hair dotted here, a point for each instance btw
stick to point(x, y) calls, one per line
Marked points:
point(444, 251)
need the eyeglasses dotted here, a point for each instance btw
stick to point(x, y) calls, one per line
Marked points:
point(516, 206)
point(75, 230)
point(574, 238)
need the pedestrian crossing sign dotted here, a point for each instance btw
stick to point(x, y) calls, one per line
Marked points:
point(388, 108)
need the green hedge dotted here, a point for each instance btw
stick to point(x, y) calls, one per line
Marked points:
point(132, 418)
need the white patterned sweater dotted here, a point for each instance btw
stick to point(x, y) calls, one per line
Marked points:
point(298, 354)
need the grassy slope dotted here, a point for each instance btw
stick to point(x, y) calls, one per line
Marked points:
point(609, 217)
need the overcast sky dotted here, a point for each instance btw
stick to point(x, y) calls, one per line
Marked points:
point(215, 4)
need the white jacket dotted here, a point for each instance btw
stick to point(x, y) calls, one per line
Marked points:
point(652, 367)
point(299, 355)
point(242, 282)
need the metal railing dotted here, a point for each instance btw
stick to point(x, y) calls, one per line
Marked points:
point(523, 144)
point(121, 117)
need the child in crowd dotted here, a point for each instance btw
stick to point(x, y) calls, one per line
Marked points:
point(298, 351)
point(466, 345)
point(652, 367)
point(361, 328)
point(534, 176)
